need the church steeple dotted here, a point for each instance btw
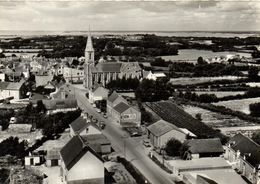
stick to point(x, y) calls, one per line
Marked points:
point(89, 50)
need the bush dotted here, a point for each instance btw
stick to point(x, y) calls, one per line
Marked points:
point(137, 175)
point(173, 147)
point(12, 146)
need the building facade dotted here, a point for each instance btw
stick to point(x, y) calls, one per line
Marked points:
point(104, 72)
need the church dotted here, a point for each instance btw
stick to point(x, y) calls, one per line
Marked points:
point(103, 72)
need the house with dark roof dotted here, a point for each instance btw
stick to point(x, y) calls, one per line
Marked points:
point(199, 148)
point(98, 142)
point(162, 131)
point(123, 113)
point(98, 93)
point(12, 89)
point(244, 155)
point(80, 163)
point(81, 127)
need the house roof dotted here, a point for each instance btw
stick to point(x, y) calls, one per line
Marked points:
point(60, 104)
point(74, 150)
point(53, 154)
point(95, 141)
point(205, 145)
point(3, 85)
point(121, 107)
point(14, 85)
point(113, 96)
point(247, 148)
point(161, 127)
point(207, 180)
point(79, 124)
point(108, 67)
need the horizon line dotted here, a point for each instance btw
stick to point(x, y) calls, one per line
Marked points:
point(217, 31)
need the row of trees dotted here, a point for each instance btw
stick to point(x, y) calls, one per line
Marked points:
point(123, 84)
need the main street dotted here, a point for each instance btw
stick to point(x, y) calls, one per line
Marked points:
point(120, 141)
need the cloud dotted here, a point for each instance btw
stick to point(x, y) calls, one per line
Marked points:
point(114, 15)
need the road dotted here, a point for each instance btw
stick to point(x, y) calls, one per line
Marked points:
point(131, 147)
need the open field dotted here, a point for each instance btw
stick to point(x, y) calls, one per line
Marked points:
point(221, 94)
point(198, 80)
point(239, 105)
point(214, 119)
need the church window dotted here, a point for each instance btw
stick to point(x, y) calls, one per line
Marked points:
point(89, 56)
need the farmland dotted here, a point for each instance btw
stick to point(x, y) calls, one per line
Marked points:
point(239, 105)
point(220, 94)
point(199, 80)
point(170, 112)
point(214, 119)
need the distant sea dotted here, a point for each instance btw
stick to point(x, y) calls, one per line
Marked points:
point(8, 34)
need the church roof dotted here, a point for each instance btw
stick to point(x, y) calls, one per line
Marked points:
point(108, 67)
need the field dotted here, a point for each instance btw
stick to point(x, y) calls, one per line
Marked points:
point(221, 94)
point(198, 80)
point(239, 105)
point(214, 119)
point(170, 112)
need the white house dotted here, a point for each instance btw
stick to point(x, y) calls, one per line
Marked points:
point(153, 76)
point(98, 93)
point(11, 89)
point(80, 163)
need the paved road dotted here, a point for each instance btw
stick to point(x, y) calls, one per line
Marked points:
point(131, 147)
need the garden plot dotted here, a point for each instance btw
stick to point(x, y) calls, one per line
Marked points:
point(215, 120)
point(239, 105)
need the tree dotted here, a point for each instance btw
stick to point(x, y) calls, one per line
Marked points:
point(256, 137)
point(173, 147)
point(200, 61)
point(255, 109)
point(253, 73)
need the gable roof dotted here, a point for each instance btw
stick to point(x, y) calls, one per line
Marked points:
point(247, 148)
point(161, 127)
point(121, 107)
point(205, 145)
point(113, 96)
point(78, 124)
point(15, 85)
point(3, 85)
point(74, 150)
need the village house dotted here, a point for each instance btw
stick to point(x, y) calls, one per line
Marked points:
point(81, 164)
point(98, 142)
point(162, 131)
point(60, 105)
point(53, 157)
point(73, 75)
point(214, 170)
point(12, 89)
point(81, 127)
point(33, 159)
point(244, 155)
point(153, 76)
point(98, 93)
point(123, 113)
point(198, 148)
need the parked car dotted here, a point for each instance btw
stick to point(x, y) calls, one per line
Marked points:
point(146, 143)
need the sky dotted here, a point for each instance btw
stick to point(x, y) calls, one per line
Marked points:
point(130, 16)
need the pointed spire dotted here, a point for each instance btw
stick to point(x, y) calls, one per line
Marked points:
point(89, 46)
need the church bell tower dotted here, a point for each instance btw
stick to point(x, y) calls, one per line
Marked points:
point(89, 62)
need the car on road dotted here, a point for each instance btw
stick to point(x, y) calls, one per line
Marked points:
point(146, 143)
